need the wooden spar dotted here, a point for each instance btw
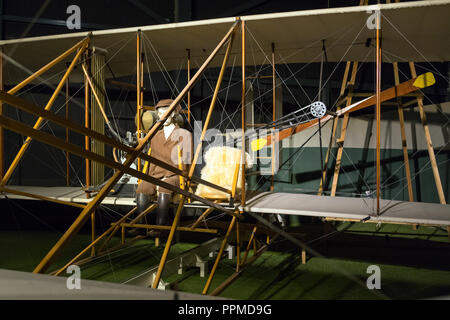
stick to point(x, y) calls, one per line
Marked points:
point(38, 123)
point(335, 122)
point(250, 241)
point(86, 121)
point(141, 98)
point(378, 111)
point(238, 247)
point(243, 158)
point(188, 79)
point(29, 107)
point(274, 115)
point(403, 135)
point(431, 154)
point(93, 233)
point(162, 262)
point(243, 115)
point(81, 219)
point(385, 95)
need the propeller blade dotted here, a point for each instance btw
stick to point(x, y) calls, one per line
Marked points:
point(258, 144)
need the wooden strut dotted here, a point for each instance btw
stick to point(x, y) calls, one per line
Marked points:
point(91, 85)
point(139, 87)
point(274, 115)
point(335, 120)
point(67, 134)
point(378, 111)
point(81, 219)
point(340, 142)
point(38, 123)
point(403, 135)
point(404, 145)
point(250, 241)
point(401, 119)
point(243, 159)
point(238, 254)
point(87, 123)
point(31, 108)
point(2, 159)
point(188, 79)
point(93, 251)
point(238, 247)
point(243, 114)
point(333, 129)
point(219, 256)
point(194, 161)
point(426, 130)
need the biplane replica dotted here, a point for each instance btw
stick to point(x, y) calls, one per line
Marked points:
point(344, 36)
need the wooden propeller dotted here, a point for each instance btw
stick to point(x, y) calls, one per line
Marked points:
point(420, 82)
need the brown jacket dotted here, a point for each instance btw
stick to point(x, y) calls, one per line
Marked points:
point(167, 151)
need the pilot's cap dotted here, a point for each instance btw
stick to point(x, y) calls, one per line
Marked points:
point(166, 103)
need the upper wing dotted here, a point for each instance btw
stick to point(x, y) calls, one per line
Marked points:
point(412, 31)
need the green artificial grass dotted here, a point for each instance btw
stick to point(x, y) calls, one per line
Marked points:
point(278, 273)
point(401, 231)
